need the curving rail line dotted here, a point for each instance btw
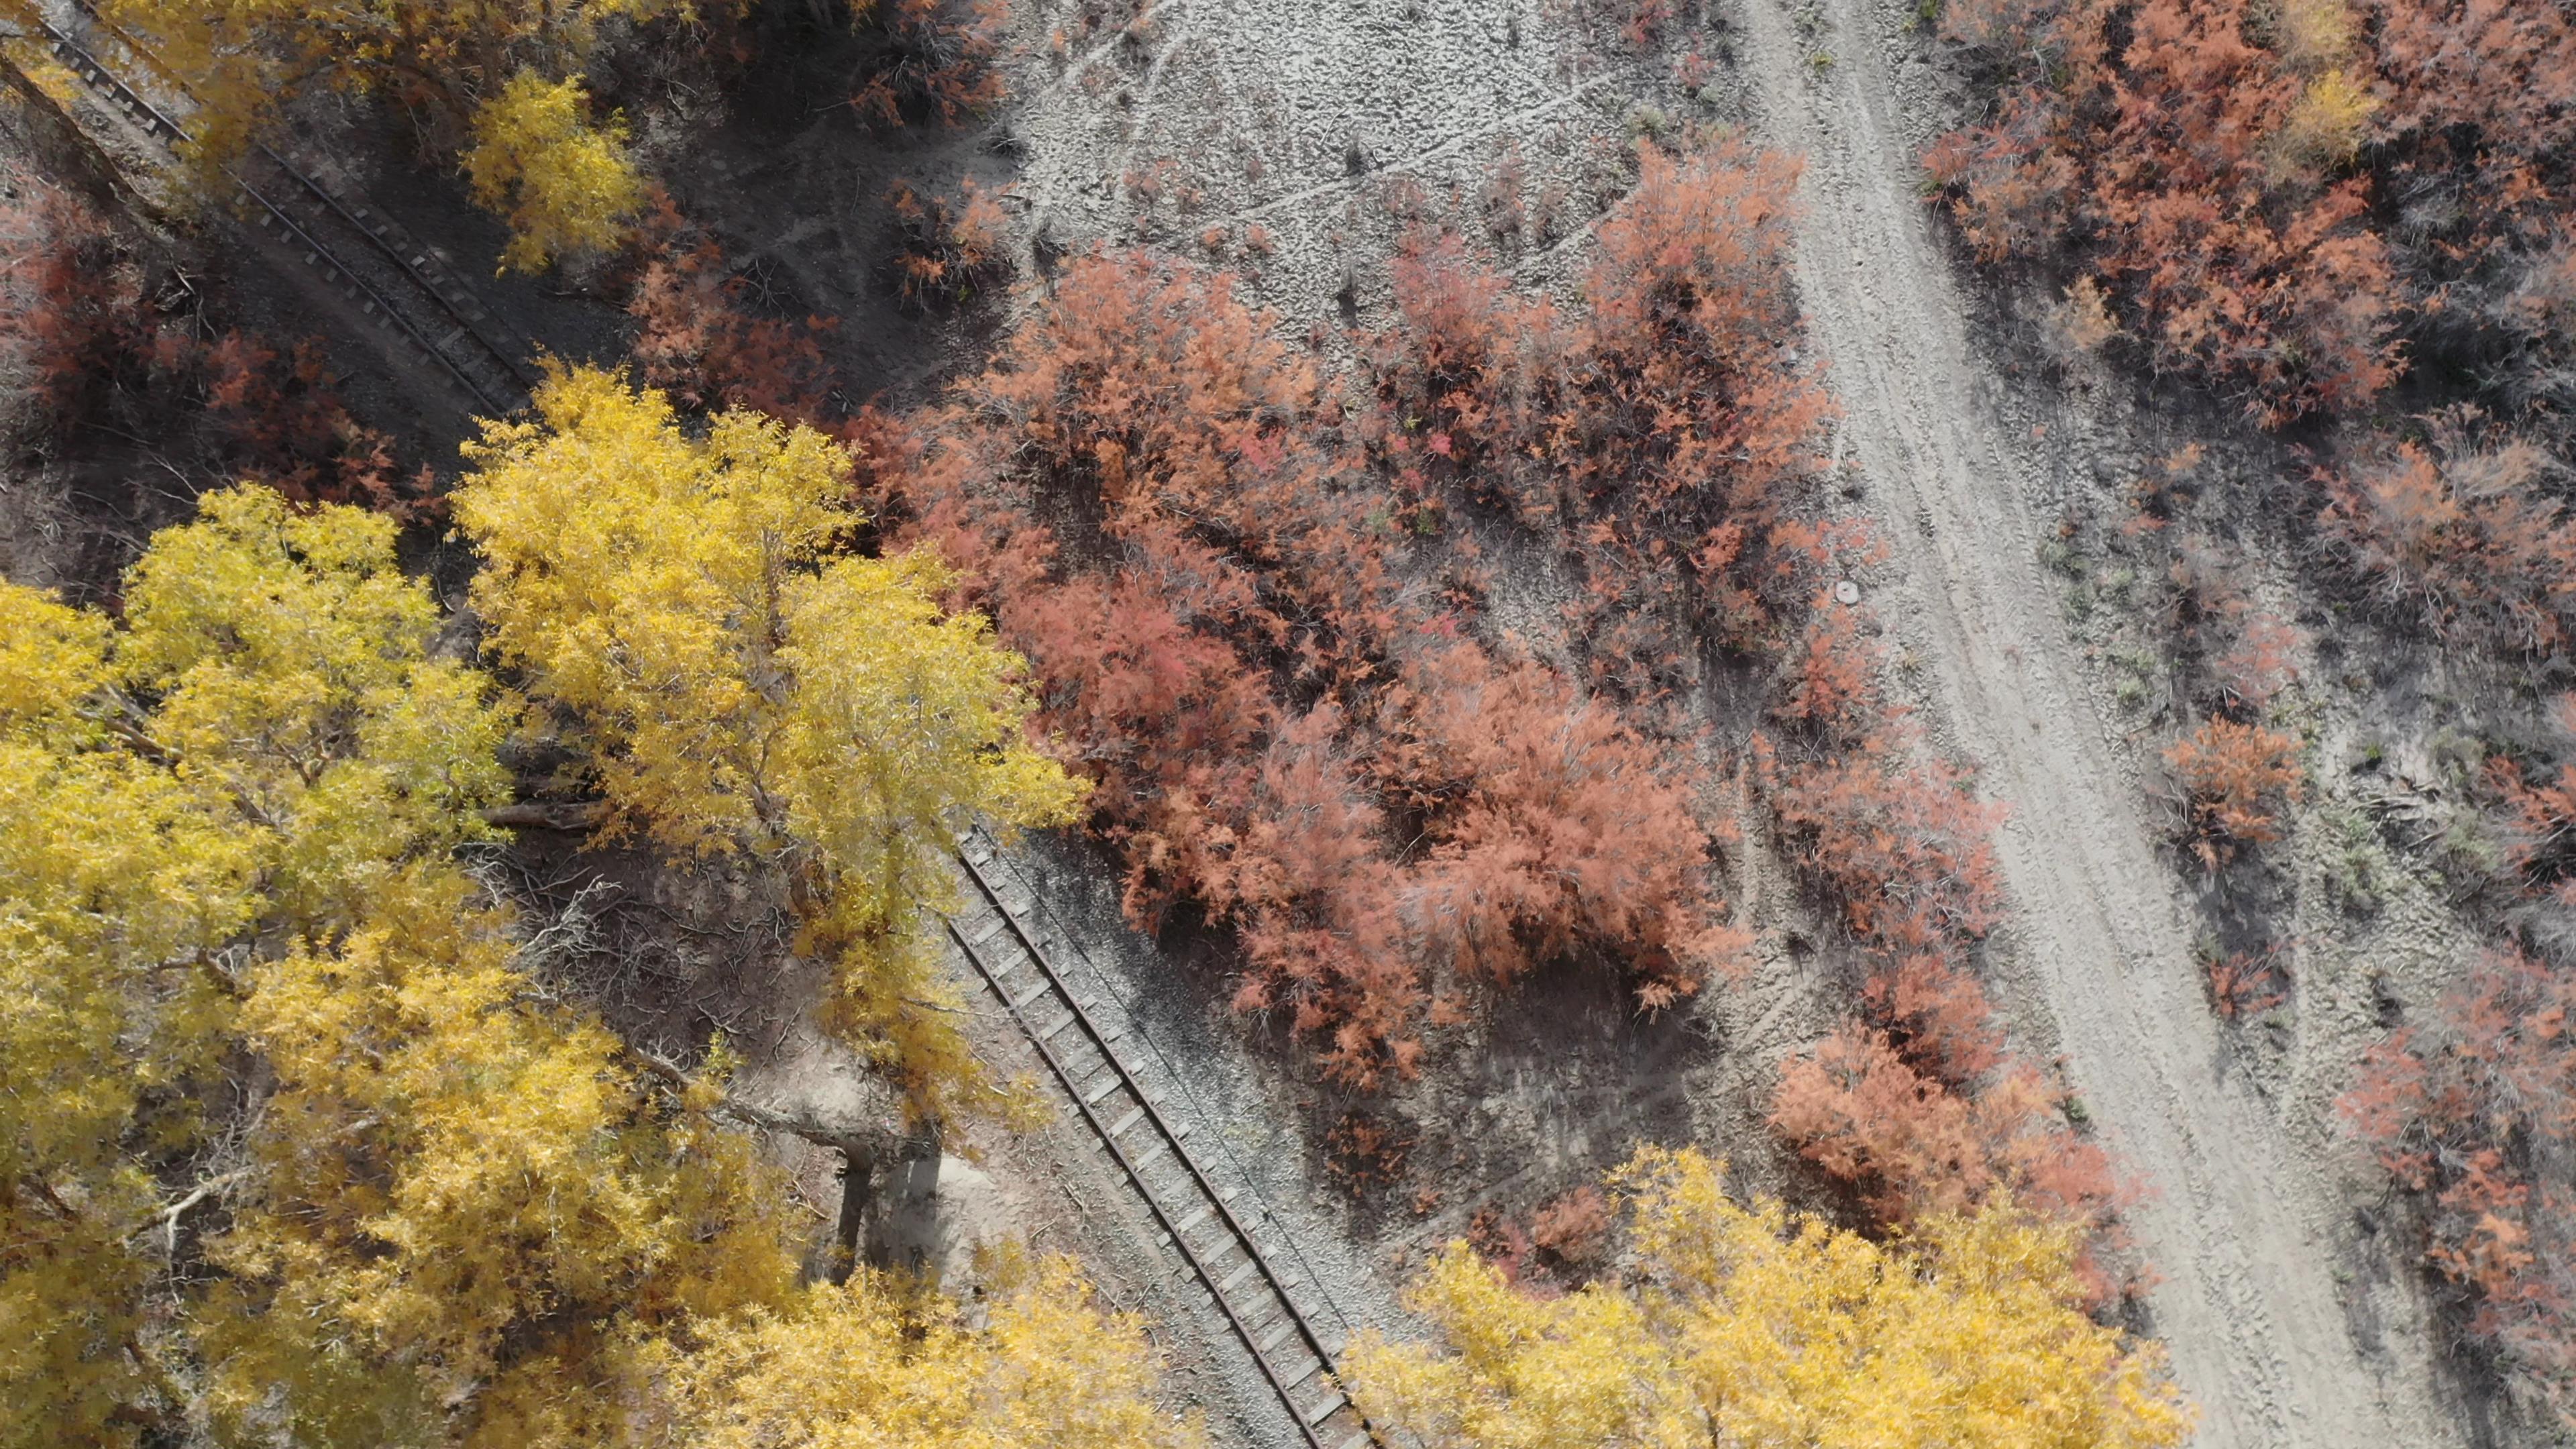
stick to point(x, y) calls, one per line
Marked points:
point(1198, 1218)
point(398, 286)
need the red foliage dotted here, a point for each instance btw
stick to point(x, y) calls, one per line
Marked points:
point(1572, 1228)
point(76, 315)
point(2233, 777)
point(2218, 164)
point(111, 346)
point(1664, 438)
point(1914, 1146)
point(2259, 664)
point(933, 60)
point(951, 246)
point(2157, 133)
point(1565, 830)
point(1937, 1016)
point(1833, 675)
point(2460, 538)
point(2541, 845)
point(2468, 1111)
point(2248, 984)
point(697, 340)
point(1219, 628)
point(1903, 845)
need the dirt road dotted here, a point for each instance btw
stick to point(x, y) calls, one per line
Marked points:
point(2240, 1224)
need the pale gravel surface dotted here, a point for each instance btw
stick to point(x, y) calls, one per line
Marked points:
point(2242, 1221)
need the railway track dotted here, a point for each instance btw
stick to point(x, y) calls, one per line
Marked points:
point(345, 243)
point(1216, 1240)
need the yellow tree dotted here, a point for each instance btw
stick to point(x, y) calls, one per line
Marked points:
point(463, 1217)
point(873, 1365)
point(1758, 1327)
point(264, 742)
point(742, 692)
point(290, 1147)
point(564, 184)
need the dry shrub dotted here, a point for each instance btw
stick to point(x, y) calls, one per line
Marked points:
point(1915, 1146)
point(2459, 537)
point(2235, 778)
point(1574, 1228)
point(1162, 509)
point(117, 346)
point(697, 339)
point(2476, 1112)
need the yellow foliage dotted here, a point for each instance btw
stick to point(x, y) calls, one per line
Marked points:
point(2324, 127)
point(238, 954)
point(442, 1171)
point(869, 1365)
point(565, 185)
point(262, 747)
point(1758, 1327)
point(742, 695)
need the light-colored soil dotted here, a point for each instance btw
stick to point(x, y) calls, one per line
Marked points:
point(2243, 1221)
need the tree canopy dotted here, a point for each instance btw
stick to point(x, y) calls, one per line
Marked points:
point(744, 691)
point(1760, 1327)
point(293, 1149)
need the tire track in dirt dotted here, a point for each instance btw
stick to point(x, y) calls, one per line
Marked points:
point(2240, 1220)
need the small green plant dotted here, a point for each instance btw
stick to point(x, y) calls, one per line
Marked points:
point(2059, 557)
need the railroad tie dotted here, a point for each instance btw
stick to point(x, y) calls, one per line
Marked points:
point(1313, 1367)
point(1109, 1082)
point(1184, 1226)
point(1235, 1279)
point(1359, 1440)
point(1061, 1023)
point(1323, 1407)
point(1278, 1335)
point(1122, 1124)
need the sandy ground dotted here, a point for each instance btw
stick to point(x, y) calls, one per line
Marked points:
point(2242, 1221)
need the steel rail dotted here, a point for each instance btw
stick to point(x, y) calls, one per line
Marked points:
point(1172, 1219)
point(98, 76)
point(399, 256)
